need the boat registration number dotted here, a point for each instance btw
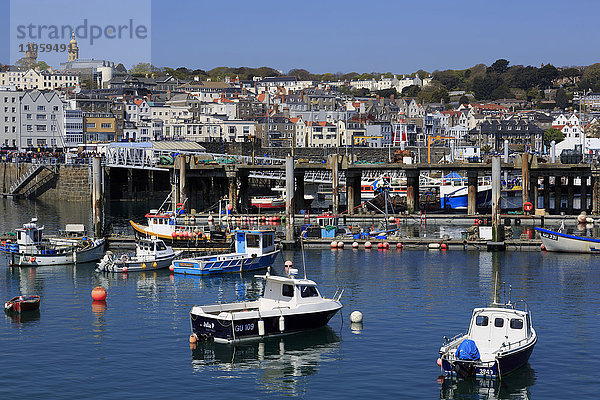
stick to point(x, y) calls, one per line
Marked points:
point(549, 236)
point(485, 371)
point(244, 327)
point(208, 325)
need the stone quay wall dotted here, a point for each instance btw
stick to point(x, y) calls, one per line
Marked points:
point(72, 183)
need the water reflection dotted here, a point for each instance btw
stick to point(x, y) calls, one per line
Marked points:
point(280, 362)
point(230, 287)
point(514, 386)
point(24, 317)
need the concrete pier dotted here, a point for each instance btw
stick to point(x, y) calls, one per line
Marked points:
point(497, 228)
point(353, 189)
point(289, 203)
point(299, 191)
point(335, 190)
point(412, 191)
point(524, 177)
point(472, 178)
point(97, 196)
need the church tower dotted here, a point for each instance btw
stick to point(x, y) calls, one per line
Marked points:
point(73, 49)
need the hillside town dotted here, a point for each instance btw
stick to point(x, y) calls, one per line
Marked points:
point(87, 103)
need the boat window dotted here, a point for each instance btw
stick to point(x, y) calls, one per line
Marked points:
point(252, 240)
point(481, 320)
point(160, 246)
point(499, 322)
point(308, 291)
point(516, 323)
point(267, 240)
point(287, 291)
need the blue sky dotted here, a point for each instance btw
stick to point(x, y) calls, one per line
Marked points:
point(344, 36)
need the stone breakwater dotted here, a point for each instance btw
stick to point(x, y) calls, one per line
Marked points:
point(71, 184)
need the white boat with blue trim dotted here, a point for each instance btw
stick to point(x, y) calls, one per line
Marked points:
point(150, 254)
point(254, 250)
point(559, 241)
point(500, 340)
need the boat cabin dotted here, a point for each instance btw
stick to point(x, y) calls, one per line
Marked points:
point(255, 242)
point(494, 327)
point(280, 292)
point(30, 234)
point(152, 248)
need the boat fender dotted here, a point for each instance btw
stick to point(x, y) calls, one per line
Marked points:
point(476, 221)
point(261, 327)
point(143, 265)
point(517, 221)
point(253, 256)
point(154, 264)
point(32, 259)
point(281, 323)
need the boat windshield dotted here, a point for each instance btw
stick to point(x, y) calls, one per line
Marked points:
point(160, 246)
point(308, 291)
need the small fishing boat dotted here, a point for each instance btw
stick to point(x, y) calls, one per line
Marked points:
point(23, 303)
point(150, 254)
point(288, 305)
point(499, 341)
point(33, 250)
point(254, 249)
point(559, 241)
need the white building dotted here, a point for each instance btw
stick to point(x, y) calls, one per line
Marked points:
point(23, 79)
point(42, 120)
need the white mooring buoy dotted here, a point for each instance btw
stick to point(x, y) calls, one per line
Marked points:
point(356, 316)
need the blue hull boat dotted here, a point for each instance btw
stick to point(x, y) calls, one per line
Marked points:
point(222, 264)
point(254, 250)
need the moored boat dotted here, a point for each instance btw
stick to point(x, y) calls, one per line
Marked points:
point(32, 250)
point(288, 305)
point(559, 241)
point(254, 249)
point(151, 254)
point(23, 303)
point(500, 340)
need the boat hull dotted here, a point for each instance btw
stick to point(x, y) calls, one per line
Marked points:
point(558, 241)
point(502, 366)
point(220, 243)
point(32, 303)
point(93, 253)
point(139, 266)
point(227, 331)
point(223, 264)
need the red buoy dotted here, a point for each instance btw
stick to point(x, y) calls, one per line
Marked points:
point(174, 234)
point(171, 268)
point(543, 248)
point(386, 245)
point(527, 206)
point(99, 293)
point(399, 246)
point(443, 246)
point(368, 245)
point(380, 245)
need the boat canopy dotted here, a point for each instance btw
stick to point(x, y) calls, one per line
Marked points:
point(255, 242)
point(468, 350)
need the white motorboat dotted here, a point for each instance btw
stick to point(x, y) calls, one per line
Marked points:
point(150, 254)
point(287, 305)
point(559, 241)
point(499, 341)
point(33, 250)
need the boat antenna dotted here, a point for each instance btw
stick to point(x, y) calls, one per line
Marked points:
point(303, 259)
point(509, 294)
point(504, 290)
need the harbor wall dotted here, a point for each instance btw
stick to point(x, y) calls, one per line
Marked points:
point(71, 184)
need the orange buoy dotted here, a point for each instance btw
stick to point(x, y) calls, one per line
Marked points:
point(333, 244)
point(99, 293)
point(443, 246)
point(193, 338)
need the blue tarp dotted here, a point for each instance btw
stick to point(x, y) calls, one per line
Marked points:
point(467, 350)
point(453, 176)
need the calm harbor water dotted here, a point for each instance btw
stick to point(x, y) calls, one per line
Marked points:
point(137, 346)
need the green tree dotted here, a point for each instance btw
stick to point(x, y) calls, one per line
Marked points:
point(591, 78)
point(41, 65)
point(301, 74)
point(593, 131)
point(500, 66)
point(562, 100)
point(411, 91)
point(143, 69)
point(552, 134)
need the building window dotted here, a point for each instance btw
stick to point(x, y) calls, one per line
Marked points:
point(41, 108)
point(90, 124)
point(29, 128)
point(106, 125)
point(41, 142)
point(41, 117)
point(29, 116)
point(29, 142)
point(40, 128)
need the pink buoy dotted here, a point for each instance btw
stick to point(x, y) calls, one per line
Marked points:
point(368, 245)
point(125, 269)
point(439, 362)
point(399, 246)
point(289, 263)
point(355, 245)
point(380, 245)
point(333, 244)
point(340, 245)
point(386, 245)
point(171, 268)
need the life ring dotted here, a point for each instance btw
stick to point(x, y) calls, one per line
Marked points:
point(124, 258)
point(527, 206)
point(476, 221)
